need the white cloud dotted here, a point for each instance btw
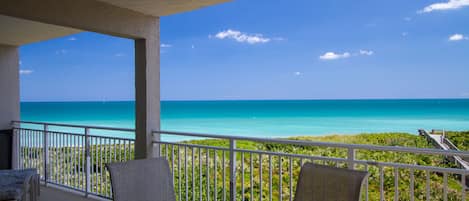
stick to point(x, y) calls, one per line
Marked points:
point(243, 37)
point(119, 54)
point(333, 56)
point(366, 52)
point(457, 37)
point(26, 72)
point(298, 73)
point(163, 45)
point(72, 38)
point(450, 5)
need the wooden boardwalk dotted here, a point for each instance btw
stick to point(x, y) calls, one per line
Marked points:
point(439, 141)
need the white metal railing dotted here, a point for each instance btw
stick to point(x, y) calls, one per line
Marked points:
point(225, 171)
point(71, 156)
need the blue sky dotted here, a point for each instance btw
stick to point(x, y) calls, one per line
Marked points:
point(259, 49)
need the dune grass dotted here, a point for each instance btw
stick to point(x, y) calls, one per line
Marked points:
point(71, 168)
point(459, 138)
point(383, 139)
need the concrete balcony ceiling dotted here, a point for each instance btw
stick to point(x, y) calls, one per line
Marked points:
point(18, 28)
point(16, 31)
point(162, 7)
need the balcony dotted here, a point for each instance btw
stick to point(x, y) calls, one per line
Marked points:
point(72, 158)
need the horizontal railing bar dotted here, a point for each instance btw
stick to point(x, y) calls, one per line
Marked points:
point(272, 140)
point(420, 167)
point(293, 155)
point(108, 137)
point(49, 131)
point(333, 159)
point(76, 134)
point(76, 126)
point(361, 162)
point(324, 144)
point(192, 145)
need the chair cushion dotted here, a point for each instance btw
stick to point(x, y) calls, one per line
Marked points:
point(11, 187)
point(15, 183)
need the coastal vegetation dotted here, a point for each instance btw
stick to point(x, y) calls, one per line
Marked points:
point(201, 167)
point(390, 174)
point(460, 139)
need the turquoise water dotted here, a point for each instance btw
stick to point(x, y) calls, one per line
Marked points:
point(271, 118)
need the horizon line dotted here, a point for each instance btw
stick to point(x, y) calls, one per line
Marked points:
point(199, 100)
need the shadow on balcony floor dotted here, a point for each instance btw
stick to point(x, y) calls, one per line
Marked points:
point(54, 194)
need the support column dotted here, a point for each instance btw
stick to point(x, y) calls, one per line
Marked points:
point(147, 93)
point(9, 92)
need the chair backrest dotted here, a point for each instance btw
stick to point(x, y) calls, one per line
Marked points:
point(326, 183)
point(142, 180)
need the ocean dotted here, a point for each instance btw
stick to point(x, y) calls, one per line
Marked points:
point(267, 118)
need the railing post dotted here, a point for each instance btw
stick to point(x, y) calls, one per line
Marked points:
point(351, 158)
point(16, 146)
point(87, 162)
point(232, 170)
point(46, 153)
point(156, 136)
point(443, 137)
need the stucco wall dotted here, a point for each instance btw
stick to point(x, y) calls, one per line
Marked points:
point(9, 86)
point(91, 15)
point(147, 92)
